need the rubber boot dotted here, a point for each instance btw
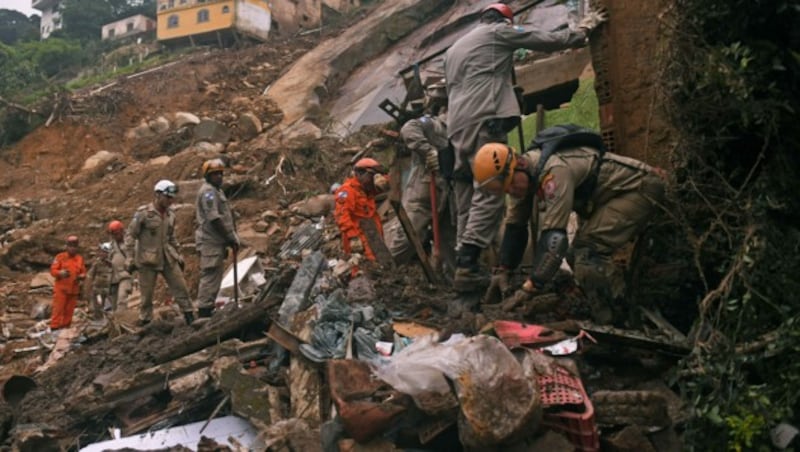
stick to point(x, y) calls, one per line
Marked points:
point(205, 312)
point(189, 317)
point(468, 276)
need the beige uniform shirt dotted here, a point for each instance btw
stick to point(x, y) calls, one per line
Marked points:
point(478, 70)
point(563, 173)
point(211, 204)
point(150, 238)
point(422, 135)
point(118, 258)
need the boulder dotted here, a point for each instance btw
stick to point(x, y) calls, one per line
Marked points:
point(143, 130)
point(183, 118)
point(211, 131)
point(316, 206)
point(249, 126)
point(100, 159)
point(159, 125)
point(43, 279)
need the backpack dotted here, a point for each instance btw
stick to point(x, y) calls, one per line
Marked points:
point(568, 136)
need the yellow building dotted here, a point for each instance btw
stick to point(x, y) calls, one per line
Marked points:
point(200, 21)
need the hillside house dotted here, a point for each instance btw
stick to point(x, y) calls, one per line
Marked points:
point(220, 21)
point(51, 16)
point(127, 27)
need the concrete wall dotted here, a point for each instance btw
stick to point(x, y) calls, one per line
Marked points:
point(51, 17)
point(127, 27)
point(253, 17)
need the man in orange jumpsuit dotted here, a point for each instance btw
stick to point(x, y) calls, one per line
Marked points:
point(355, 201)
point(69, 271)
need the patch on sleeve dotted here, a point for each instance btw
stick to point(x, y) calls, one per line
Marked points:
point(549, 187)
point(209, 195)
point(518, 28)
point(342, 195)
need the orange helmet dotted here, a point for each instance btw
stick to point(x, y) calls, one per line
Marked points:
point(213, 165)
point(115, 226)
point(501, 8)
point(371, 165)
point(494, 161)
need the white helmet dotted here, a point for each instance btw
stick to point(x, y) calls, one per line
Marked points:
point(166, 188)
point(105, 246)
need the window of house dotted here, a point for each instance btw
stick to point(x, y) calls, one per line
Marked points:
point(129, 26)
point(226, 9)
point(111, 32)
point(183, 2)
point(202, 16)
point(172, 21)
point(171, 3)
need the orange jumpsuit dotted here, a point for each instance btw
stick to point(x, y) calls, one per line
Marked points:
point(66, 290)
point(354, 204)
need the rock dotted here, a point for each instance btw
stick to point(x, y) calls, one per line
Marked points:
point(261, 226)
point(160, 160)
point(211, 148)
point(233, 147)
point(303, 129)
point(240, 103)
point(183, 118)
point(159, 125)
point(270, 215)
point(101, 158)
point(315, 206)
point(212, 131)
point(249, 126)
point(43, 279)
point(143, 130)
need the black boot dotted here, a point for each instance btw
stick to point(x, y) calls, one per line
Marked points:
point(468, 276)
point(205, 312)
point(189, 316)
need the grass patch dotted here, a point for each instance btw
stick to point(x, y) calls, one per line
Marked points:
point(581, 110)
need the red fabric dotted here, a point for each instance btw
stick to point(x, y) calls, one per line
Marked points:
point(353, 204)
point(66, 290)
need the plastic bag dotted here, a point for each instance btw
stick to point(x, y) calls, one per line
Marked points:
point(497, 400)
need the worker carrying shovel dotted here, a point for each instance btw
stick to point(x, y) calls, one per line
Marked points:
point(428, 188)
point(215, 234)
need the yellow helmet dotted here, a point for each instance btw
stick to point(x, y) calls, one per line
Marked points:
point(213, 165)
point(494, 162)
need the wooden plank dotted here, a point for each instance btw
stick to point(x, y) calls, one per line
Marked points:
point(376, 243)
point(412, 237)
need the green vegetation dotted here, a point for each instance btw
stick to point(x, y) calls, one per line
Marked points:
point(732, 71)
point(582, 110)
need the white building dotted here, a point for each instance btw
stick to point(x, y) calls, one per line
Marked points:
point(128, 26)
point(51, 15)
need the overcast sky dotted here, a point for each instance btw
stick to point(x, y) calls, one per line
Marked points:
point(23, 6)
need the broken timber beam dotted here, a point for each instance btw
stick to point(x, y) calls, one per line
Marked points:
point(91, 401)
point(414, 239)
point(220, 327)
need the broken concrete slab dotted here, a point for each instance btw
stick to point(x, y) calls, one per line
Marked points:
point(248, 394)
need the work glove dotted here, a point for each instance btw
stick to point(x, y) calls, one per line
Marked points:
point(63, 274)
point(432, 161)
point(592, 20)
point(356, 246)
point(521, 296)
point(381, 183)
point(498, 286)
point(130, 265)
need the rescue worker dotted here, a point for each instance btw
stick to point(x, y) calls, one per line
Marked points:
point(69, 271)
point(355, 201)
point(613, 196)
point(425, 137)
point(121, 281)
point(215, 233)
point(151, 248)
point(483, 107)
point(99, 279)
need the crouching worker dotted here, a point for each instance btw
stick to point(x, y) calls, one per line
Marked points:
point(612, 195)
point(355, 201)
